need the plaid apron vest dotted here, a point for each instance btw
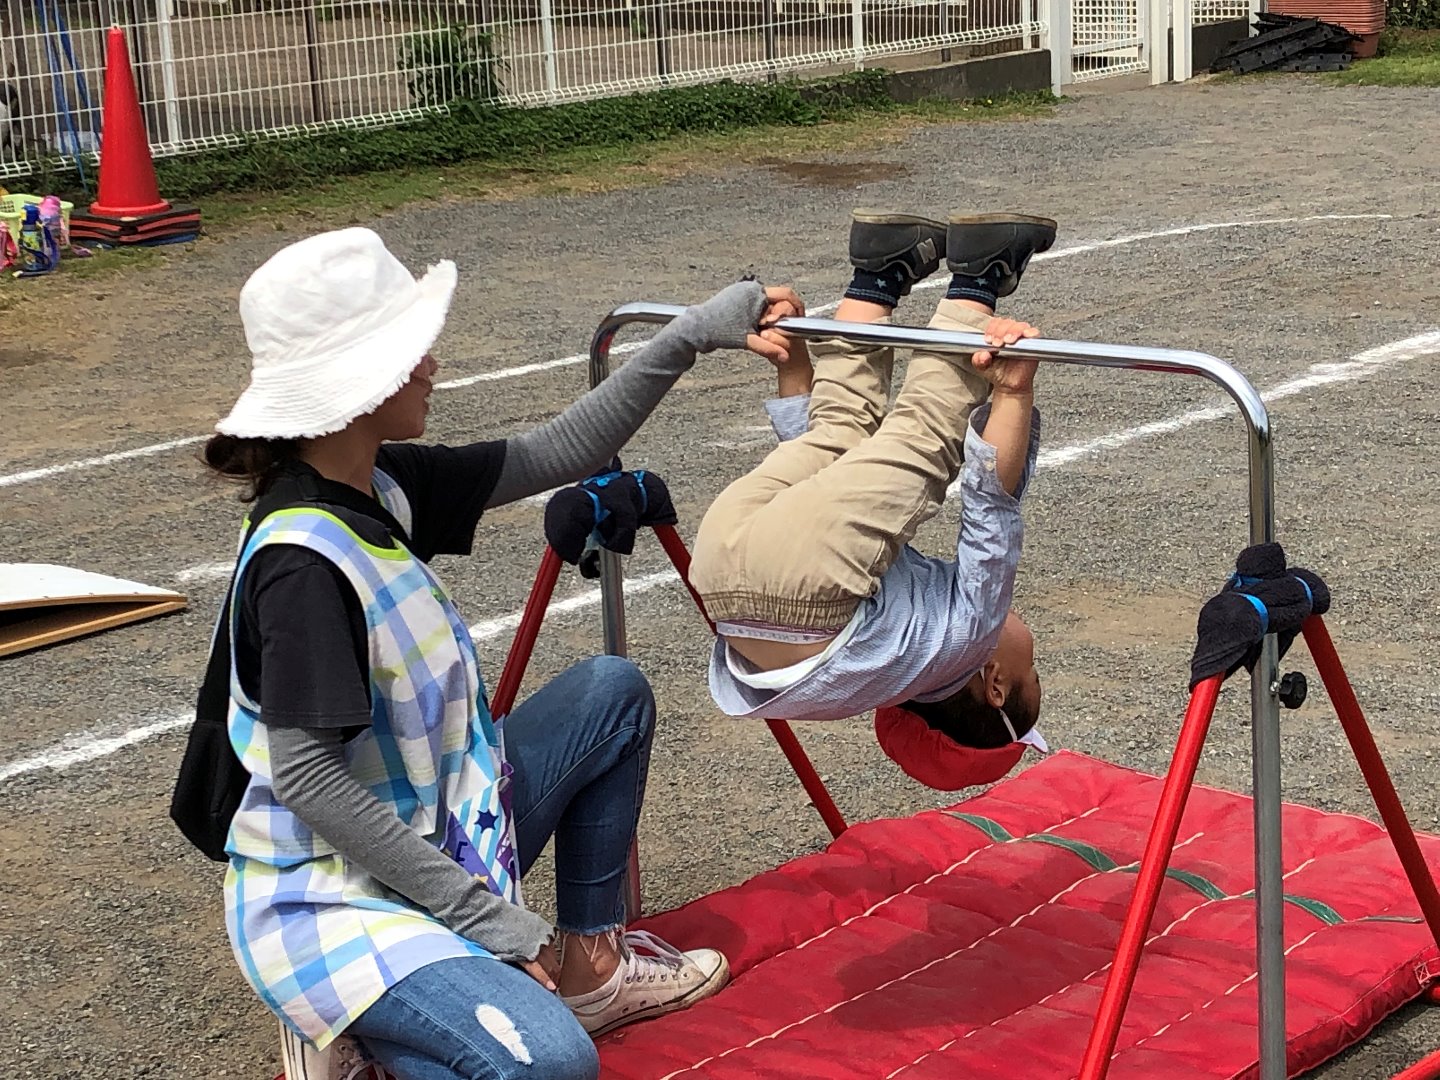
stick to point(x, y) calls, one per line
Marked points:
point(317, 937)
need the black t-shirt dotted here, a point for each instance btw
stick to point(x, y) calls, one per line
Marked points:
point(302, 648)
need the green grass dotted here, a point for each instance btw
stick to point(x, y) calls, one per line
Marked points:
point(1407, 58)
point(581, 170)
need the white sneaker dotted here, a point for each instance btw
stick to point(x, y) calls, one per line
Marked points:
point(658, 980)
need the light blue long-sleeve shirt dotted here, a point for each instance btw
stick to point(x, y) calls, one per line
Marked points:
point(930, 625)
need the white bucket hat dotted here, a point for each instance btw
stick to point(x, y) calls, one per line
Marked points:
point(336, 325)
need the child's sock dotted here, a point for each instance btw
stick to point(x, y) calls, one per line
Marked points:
point(885, 287)
point(980, 289)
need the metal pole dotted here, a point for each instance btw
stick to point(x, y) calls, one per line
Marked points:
point(771, 51)
point(547, 46)
point(1265, 788)
point(1265, 706)
point(1081, 353)
point(857, 32)
point(662, 41)
point(167, 69)
point(318, 110)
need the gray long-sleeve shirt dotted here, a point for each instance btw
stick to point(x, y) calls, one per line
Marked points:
point(929, 626)
point(309, 774)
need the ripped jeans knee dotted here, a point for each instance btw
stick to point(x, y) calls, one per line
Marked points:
point(475, 1018)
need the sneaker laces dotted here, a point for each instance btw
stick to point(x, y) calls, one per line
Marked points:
point(664, 961)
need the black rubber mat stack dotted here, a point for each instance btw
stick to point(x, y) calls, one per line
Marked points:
point(1287, 43)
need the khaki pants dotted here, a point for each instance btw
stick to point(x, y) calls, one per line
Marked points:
point(806, 536)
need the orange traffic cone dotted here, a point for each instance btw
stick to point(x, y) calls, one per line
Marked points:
point(129, 208)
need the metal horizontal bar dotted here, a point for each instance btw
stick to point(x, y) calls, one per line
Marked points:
point(1085, 354)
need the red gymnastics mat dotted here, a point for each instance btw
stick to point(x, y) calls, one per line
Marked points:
point(974, 941)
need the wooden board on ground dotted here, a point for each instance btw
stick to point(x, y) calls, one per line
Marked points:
point(41, 604)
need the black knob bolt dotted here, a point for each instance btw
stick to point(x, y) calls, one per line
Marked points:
point(1293, 690)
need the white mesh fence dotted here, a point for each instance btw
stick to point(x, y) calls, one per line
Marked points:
point(209, 71)
point(1108, 38)
point(1214, 11)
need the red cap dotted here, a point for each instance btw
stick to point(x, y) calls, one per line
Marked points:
point(935, 759)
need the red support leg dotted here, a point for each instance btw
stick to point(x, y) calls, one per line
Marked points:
point(1153, 864)
point(521, 648)
point(794, 753)
point(1425, 1069)
point(1377, 777)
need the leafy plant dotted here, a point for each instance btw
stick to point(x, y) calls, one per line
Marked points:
point(454, 62)
point(1414, 14)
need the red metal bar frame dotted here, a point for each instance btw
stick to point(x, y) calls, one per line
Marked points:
point(1178, 782)
point(1427, 1068)
point(789, 744)
point(1372, 766)
point(518, 659)
point(1156, 860)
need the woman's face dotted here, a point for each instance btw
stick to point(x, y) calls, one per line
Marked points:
point(402, 415)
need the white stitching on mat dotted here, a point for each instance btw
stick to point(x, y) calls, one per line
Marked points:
point(924, 967)
point(1225, 993)
point(1085, 978)
point(1249, 978)
point(942, 873)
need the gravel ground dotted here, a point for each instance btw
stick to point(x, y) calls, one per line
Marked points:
point(114, 955)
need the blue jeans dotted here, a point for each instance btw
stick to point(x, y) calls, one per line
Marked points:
point(580, 747)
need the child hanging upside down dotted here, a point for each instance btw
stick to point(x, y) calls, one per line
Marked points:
point(823, 610)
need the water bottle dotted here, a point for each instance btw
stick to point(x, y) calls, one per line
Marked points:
point(38, 251)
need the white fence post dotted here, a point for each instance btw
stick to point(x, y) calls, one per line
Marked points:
point(1155, 34)
point(547, 46)
point(1182, 50)
point(1060, 40)
point(167, 70)
point(857, 32)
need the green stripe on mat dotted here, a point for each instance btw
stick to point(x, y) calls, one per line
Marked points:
point(993, 829)
point(1321, 910)
point(1089, 852)
point(1105, 864)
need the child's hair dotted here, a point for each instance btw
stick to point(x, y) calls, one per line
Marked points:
point(970, 720)
point(253, 463)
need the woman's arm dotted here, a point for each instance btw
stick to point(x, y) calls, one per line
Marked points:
point(592, 430)
point(310, 777)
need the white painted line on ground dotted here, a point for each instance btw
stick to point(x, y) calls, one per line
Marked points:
point(1359, 366)
point(205, 572)
point(11, 479)
point(531, 369)
point(589, 598)
point(90, 746)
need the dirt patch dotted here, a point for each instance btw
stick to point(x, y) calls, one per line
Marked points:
point(1097, 613)
point(838, 174)
point(16, 357)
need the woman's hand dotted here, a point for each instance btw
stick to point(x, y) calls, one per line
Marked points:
point(1007, 376)
point(545, 968)
point(781, 302)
